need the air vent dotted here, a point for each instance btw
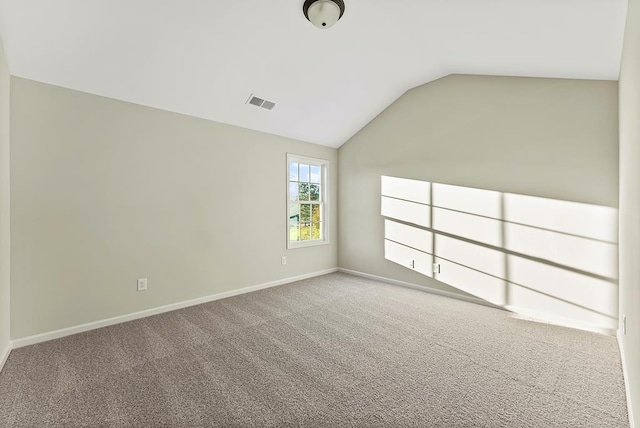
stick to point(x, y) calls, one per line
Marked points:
point(256, 101)
point(259, 102)
point(268, 105)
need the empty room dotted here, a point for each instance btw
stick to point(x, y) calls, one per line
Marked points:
point(320, 213)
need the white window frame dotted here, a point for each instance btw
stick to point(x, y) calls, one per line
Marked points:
point(324, 200)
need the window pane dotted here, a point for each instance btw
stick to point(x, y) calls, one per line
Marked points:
point(303, 194)
point(293, 191)
point(294, 222)
point(315, 231)
point(294, 214)
point(293, 171)
point(305, 214)
point(305, 233)
point(314, 192)
point(315, 213)
point(315, 174)
point(294, 234)
point(304, 173)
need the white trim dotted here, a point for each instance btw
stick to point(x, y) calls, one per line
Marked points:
point(57, 334)
point(4, 355)
point(625, 374)
point(536, 316)
point(561, 321)
point(419, 287)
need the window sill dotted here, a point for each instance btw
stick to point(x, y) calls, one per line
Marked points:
point(305, 244)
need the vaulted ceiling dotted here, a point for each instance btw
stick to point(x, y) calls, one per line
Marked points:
point(205, 57)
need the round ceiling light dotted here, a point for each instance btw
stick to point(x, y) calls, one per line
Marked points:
point(323, 13)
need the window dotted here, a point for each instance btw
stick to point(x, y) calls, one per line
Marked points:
point(306, 201)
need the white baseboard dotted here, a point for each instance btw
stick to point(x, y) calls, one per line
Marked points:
point(533, 315)
point(57, 334)
point(548, 318)
point(419, 287)
point(4, 354)
point(625, 373)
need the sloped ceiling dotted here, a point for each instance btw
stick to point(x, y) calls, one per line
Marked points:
point(205, 57)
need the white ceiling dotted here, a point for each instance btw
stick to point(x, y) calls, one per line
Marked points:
point(204, 57)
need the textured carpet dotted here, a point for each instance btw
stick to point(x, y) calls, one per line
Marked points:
point(331, 351)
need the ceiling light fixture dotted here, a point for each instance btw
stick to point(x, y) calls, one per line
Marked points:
point(323, 13)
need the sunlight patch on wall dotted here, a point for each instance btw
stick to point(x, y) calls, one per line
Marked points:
point(470, 226)
point(473, 281)
point(556, 284)
point(409, 190)
point(528, 254)
point(410, 236)
point(409, 257)
point(410, 212)
point(468, 200)
point(576, 252)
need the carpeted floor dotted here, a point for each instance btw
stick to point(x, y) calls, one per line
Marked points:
point(330, 351)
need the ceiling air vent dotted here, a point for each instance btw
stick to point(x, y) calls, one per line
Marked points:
point(268, 105)
point(259, 102)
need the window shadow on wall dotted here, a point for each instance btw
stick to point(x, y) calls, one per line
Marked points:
point(531, 255)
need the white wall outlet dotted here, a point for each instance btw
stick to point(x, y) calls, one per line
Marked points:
point(624, 324)
point(283, 260)
point(412, 264)
point(142, 284)
point(436, 268)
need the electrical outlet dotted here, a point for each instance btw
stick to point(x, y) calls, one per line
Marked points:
point(142, 284)
point(436, 268)
point(624, 324)
point(283, 261)
point(412, 264)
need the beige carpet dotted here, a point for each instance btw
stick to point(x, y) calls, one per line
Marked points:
point(330, 351)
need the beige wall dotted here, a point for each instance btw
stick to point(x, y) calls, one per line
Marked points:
point(548, 138)
point(630, 201)
point(4, 202)
point(105, 192)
